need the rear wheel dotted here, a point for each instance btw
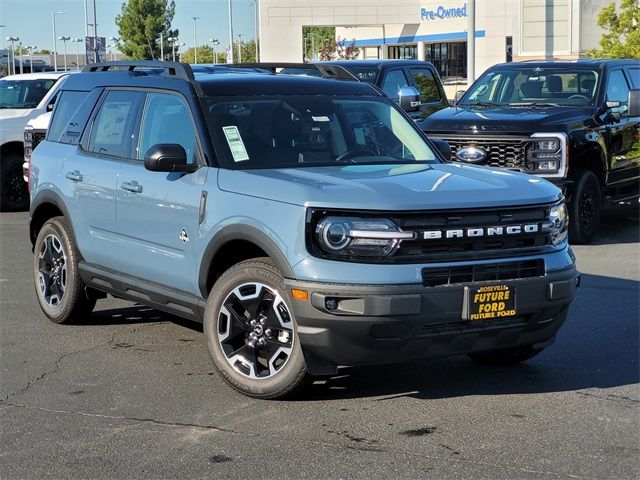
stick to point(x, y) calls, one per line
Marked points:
point(251, 331)
point(507, 356)
point(60, 291)
point(585, 207)
point(14, 195)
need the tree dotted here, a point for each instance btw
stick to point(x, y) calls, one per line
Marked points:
point(315, 40)
point(205, 55)
point(621, 31)
point(140, 24)
point(339, 50)
point(42, 51)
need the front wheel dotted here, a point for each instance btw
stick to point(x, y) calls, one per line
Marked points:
point(507, 356)
point(251, 331)
point(14, 194)
point(585, 207)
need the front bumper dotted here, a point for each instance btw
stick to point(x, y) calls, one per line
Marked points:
point(376, 324)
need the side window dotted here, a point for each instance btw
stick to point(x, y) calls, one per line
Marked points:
point(427, 85)
point(634, 75)
point(114, 123)
point(167, 119)
point(68, 103)
point(617, 88)
point(394, 81)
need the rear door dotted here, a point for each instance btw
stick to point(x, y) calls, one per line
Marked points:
point(158, 213)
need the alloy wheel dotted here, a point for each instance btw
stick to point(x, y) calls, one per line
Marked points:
point(52, 270)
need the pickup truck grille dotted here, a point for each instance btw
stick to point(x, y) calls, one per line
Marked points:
point(506, 152)
point(480, 247)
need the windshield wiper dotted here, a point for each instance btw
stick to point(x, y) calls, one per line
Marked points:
point(534, 104)
point(481, 104)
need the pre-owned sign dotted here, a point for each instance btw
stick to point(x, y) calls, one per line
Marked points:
point(443, 13)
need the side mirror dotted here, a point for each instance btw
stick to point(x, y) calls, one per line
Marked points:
point(409, 99)
point(443, 147)
point(167, 157)
point(633, 108)
point(459, 95)
point(50, 106)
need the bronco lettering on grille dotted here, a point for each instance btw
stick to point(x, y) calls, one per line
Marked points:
point(475, 232)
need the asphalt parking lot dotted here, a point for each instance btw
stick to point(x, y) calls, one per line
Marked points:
point(132, 394)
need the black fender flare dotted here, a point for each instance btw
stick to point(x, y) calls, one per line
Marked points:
point(240, 232)
point(47, 197)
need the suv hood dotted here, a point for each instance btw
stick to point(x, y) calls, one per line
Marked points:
point(392, 187)
point(7, 113)
point(519, 120)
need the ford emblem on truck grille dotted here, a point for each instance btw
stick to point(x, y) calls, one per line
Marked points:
point(471, 155)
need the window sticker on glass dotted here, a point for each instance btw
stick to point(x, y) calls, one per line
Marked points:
point(236, 145)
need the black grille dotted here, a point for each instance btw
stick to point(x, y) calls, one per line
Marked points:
point(37, 138)
point(449, 249)
point(501, 151)
point(435, 277)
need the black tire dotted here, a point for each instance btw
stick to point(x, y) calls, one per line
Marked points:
point(55, 272)
point(505, 357)
point(245, 295)
point(14, 194)
point(585, 207)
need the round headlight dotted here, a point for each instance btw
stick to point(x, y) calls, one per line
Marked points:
point(336, 236)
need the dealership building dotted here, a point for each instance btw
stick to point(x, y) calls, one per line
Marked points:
point(436, 31)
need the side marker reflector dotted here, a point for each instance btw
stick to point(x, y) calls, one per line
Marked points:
point(298, 294)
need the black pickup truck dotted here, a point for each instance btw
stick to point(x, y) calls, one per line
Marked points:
point(575, 123)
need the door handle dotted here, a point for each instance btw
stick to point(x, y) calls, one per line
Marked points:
point(131, 186)
point(74, 176)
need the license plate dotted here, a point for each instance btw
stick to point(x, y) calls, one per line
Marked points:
point(489, 302)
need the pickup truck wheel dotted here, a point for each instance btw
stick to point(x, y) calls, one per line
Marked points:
point(59, 289)
point(14, 194)
point(508, 356)
point(251, 331)
point(585, 207)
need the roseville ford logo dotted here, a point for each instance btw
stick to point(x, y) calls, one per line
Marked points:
point(471, 155)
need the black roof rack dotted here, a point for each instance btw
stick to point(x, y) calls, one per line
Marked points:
point(326, 71)
point(171, 69)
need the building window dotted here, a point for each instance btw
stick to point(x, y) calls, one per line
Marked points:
point(509, 49)
point(403, 52)
point(450, 59)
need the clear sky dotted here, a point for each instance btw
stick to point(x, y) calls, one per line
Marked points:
point(31, 20)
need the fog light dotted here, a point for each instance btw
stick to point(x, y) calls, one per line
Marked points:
point(331, 303)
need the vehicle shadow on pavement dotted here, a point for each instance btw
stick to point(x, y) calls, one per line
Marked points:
point(133, 315)
point(619, 224)
point(598, 347)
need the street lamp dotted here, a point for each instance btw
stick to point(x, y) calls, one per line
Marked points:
point(13, 54)
point(195, 41)
point(215, 42)
point(77, 41)
point(55, 43)
point(254, 4)
point(230, 28)
point(179, 54)
point(20, 57)
point(239, 48)
point(64, 39)
point(173, 41)
point(31, 48)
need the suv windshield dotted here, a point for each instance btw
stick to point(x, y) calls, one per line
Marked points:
point(302, 131)
point(533, 87)
point(23, 93)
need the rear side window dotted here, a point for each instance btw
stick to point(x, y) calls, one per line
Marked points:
point(426, 83)
point(617, 88)
point(394, 81)
point(68, 103)
point(114, 123)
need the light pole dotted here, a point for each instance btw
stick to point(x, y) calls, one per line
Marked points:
point(195, 40)
point(64, 39)
point(20, 57)
point(254, 4)
point(239, 48)
point(77, 42)
point(30, 49)
point(179, 54)
point(12, 55)
point(55, 43)
point(215, 42)
point(172, 41)
point(162, 47)
point(230, 28)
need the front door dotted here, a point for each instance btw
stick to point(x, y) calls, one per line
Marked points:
point(158, 212)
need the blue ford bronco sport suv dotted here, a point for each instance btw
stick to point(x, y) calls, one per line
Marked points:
point(308, 223)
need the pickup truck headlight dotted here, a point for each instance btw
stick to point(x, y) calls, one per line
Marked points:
point(557, 224)
point(359, 237)
point(548, 154)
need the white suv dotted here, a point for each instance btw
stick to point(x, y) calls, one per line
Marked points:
point(22, 97)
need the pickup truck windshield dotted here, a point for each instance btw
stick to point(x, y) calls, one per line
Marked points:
point(23, 93)
point(537, 87)
point(306, 131)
